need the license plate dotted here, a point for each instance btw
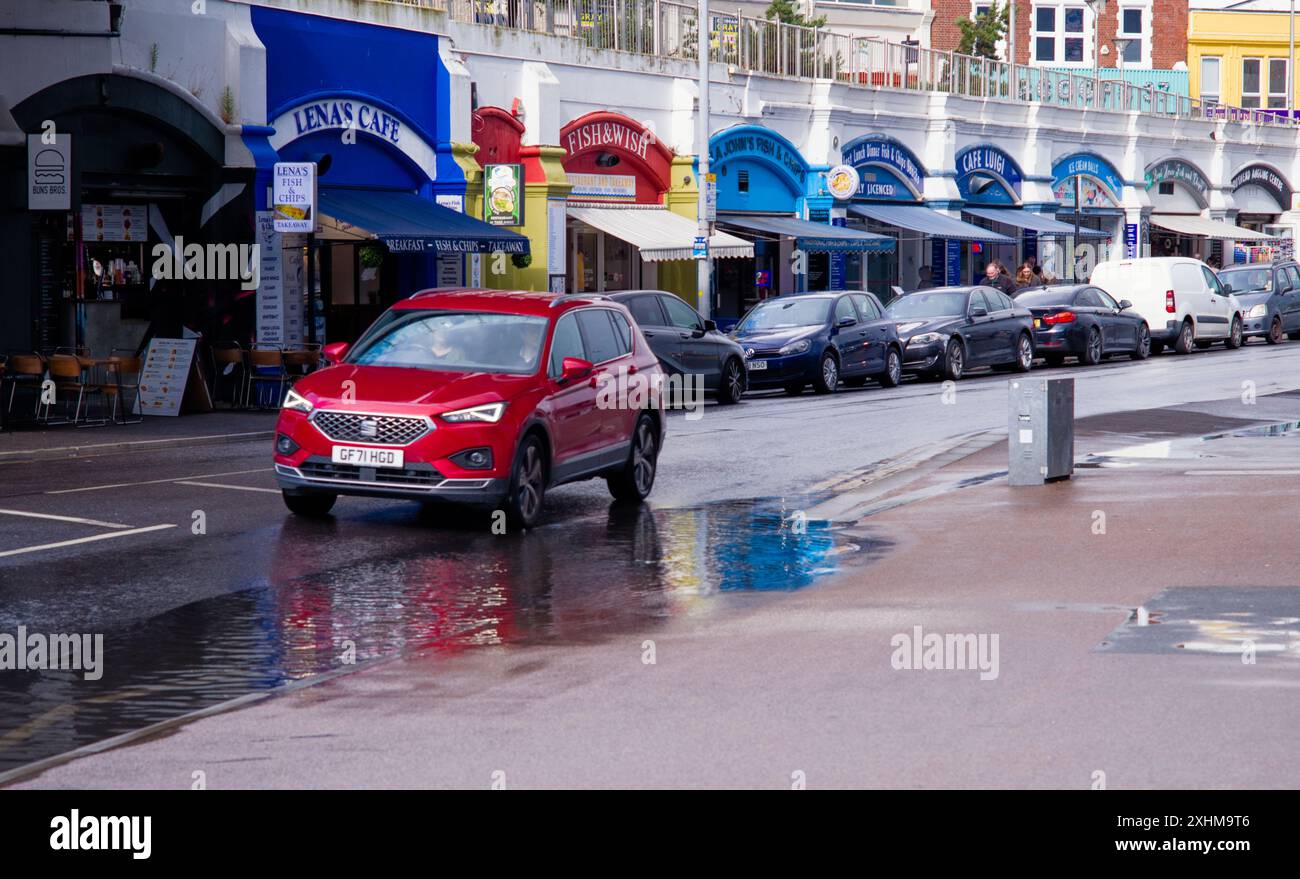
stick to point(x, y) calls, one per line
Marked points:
point(1037, 323)
point(757, 365)
point(362, 456)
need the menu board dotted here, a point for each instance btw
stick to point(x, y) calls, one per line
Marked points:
point(163, 376)
point(114, 222)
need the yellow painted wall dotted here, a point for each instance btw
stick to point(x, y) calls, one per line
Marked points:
point(1234, 36)
point(681, 276)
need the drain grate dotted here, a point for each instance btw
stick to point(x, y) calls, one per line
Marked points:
point(1208, 620)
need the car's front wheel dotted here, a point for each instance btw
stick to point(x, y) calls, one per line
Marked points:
point(1024, 353)
point(732, 386)
point(527, 494)
point(1234, 335)
point(828, 375)
point(1274, 336)
point(893, 373)
point(634, 481)
point(954, 360)
point(315, 505)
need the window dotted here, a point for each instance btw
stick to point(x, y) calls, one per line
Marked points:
point(680, 314)
point(1088, 299)
point(1211, 280)
point(844, 309)
point(645, 311)
point(567, 342)
point(867, 308)
point(1060, 35)
point(1130, 29)
point(598, 334)
point(622, 332)
point(1107, 301)
point(1210, 67)
point(1263, 83)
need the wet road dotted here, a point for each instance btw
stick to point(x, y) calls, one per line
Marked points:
point(205, 589)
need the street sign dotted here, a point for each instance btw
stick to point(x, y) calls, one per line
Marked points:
point(49, 172)
point(700, 249)
point(711, 197)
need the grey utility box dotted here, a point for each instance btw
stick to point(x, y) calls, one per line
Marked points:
point(1041, 430)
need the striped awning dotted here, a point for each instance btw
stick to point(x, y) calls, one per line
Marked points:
point(657, 232)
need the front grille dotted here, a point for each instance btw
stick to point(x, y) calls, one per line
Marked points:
point(388, 430)
point(760, 353)
point(422, 475)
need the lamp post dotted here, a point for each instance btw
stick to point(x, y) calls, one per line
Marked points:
point(705, 267)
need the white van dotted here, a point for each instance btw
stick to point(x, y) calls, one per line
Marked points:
point(1181, 299)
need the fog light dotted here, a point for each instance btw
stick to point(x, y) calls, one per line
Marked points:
point(473, 459)
point(284, 445)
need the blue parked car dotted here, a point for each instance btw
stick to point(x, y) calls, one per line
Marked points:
point(1269, 296)
point(819, 339)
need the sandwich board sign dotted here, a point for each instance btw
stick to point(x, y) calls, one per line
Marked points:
point(293, 197)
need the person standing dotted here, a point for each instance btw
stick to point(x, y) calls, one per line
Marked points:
point(995, 275)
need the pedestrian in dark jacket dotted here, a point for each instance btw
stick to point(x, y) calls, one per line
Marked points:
point(995, 275)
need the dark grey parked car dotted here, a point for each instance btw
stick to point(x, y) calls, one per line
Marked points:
point(686, 343)
point(1269, 296)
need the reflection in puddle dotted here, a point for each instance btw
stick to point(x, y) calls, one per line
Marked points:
point(1213, 620)
point(339, 593)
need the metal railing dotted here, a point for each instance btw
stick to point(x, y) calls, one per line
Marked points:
point(667, 29)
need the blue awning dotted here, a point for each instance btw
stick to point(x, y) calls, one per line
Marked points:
point(1045, 226)
point(815, 237)
point(408, 223)
point(927, 220)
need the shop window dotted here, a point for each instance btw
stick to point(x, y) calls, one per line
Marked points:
point(742, 181)
point(1210, 74)
point(1166, 188)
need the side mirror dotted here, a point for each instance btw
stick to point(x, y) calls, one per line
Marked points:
point(1124, 303)
point(334, 352)
point(978, 311)
point(710, 326)
point(574, 368)
point(846, 322)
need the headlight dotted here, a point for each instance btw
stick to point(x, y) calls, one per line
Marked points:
point(297, 402)
point(489, 413)
point(1257, 310)
point(925, 339)
point(795, 348)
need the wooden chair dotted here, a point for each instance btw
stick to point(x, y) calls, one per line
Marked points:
point(229, 357)
point(25, 370)
point(266, 364)
point(123, 380)
point(66, 372)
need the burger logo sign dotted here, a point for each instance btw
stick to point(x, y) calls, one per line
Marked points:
point(843, 182)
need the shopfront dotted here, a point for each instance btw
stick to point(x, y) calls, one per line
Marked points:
point(392, 195)
point(631, 210)
point(770, 195)
point(134, 166)
point(1180, 198)
point(1089, 191)
point(1262, 195)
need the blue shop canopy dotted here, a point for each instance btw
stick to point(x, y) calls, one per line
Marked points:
point(1045, 226)
point(931, 222)
point(408, 223)
point(815, 237)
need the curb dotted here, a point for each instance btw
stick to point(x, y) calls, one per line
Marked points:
point(65, 452)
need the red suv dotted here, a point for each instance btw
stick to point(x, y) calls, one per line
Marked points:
point(483, 397)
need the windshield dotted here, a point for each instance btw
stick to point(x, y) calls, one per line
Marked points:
point(1045, 297)
point(938, 304)
point(783, 313)
point(453, 340)
point(1247, 279)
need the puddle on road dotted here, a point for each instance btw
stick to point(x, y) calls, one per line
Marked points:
point(577, 580)
point(1286, 428)
point(1264, 621)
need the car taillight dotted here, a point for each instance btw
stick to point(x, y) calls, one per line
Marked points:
point(1061, 317)
point(1170, 306)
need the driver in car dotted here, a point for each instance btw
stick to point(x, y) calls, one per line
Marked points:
point(440, 344)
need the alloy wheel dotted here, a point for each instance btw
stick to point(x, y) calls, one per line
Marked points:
point(643, 457)
point(530, 483)
point(1094, 346)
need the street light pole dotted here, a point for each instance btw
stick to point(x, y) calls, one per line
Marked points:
point(705, 268)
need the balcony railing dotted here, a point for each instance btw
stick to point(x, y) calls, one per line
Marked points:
point(666, 29)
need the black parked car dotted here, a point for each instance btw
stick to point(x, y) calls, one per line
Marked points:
point(686, 343)
point(1269, 296)
point(948, 330)
point(819, 338)
point(1083, 321)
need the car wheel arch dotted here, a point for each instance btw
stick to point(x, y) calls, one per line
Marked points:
point(536, 427)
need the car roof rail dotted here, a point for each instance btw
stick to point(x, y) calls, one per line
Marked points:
point(564, 297)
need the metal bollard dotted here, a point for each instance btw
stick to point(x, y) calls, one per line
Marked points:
point(1040, 430)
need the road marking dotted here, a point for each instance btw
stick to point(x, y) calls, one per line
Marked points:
point(79, 540)
point(1241, 472)
point(236, 487)
point(159, 481)
point(73, 519)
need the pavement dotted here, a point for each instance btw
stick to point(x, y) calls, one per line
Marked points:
point(702, 641)
point(153, 432)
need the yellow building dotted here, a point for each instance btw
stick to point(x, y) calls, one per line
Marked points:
point(1238, 56)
